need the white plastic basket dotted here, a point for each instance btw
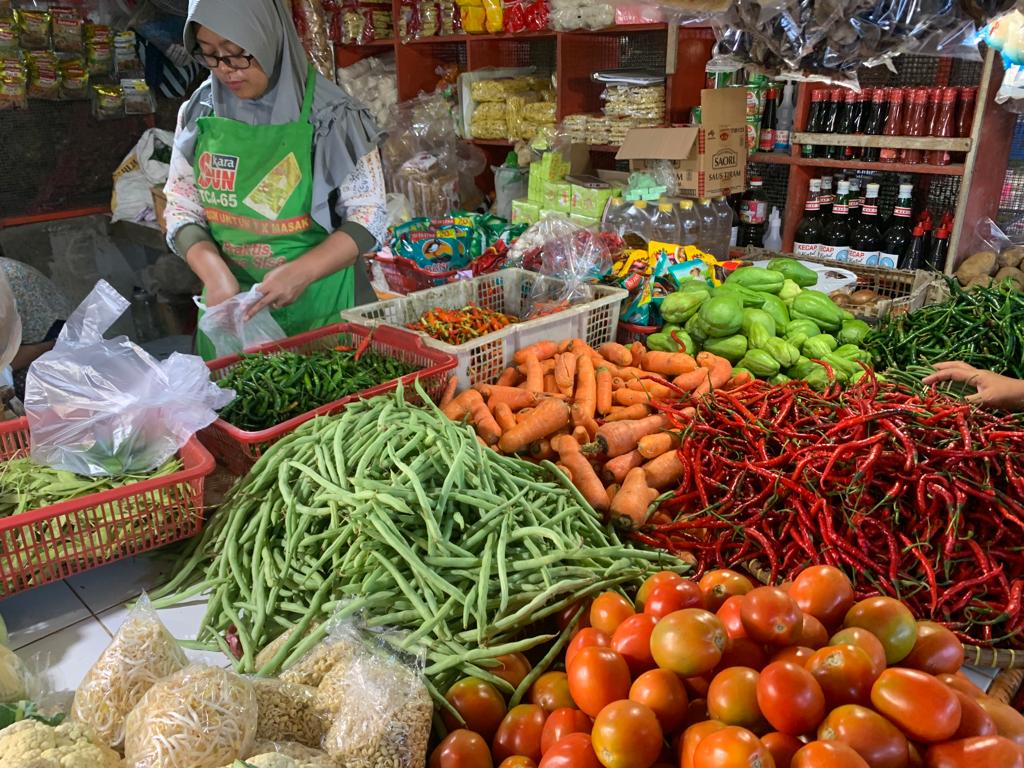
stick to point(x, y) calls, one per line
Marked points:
point(508, 291)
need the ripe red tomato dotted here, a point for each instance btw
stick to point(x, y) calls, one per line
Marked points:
point(561, 723)
point(461, 749)
point(671, 597)
point(693, 736)
point(696, 712)
point(689, 642)
point(551, 692)
point(729, 614)
point(697, 687)
point(512, 667)
point(608, 610)
point(812, 633)
point(717, 586)
point(790, 698)
point(827, 754)
point(890, 621)
point(824, 592)
point(919, 704)
point(844, 673)
point(731, 747)
point(936, 650)
point(519, 733)
point(873, 737)
point(960, 682)
point(572, 751)
point(974, 720)
point(867, 642)
point(656, 580)
point(798, 654)
point(627, 735)
point(632, 641)
point(771, 616)
point(597, 677)
point(732, 698)
point(1009, 722)
point(977, 752)
point(663, 692)
point(481, 705)
point(782, 747)
point(517, 761)
point(567, 614)
point(743, 652)
point(584, 638)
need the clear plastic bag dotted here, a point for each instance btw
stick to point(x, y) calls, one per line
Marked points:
point(16, 681)
point(10, 324)
point(141, 653)
point(101, 406)
point(575, 256)
point(288, 712)
point(200, 717)
point(266, 754)
point(228, 330)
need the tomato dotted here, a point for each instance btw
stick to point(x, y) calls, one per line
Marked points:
point(974, 720)
point(915, 759)
point(517, 761)
point(743, 652)
point(771, 616)
point(1009, 722)
point(731, 747)
point(922, 706)
point(656, 580)
point(790, 698)
point(663, 692)
point(632, 641)
point(977, 752)
point(567, 614)
point(873, 737)
point(960, 682)
point(812, 633)
point(561, 723)
point(867, 642)
point(597, 677)
point(675, 596)
point(782, 747)
point(584, 638)
point(798, 654)
point(572, 751)
point(551, 692)
point(827, 754)
point(824, 592)
point(512, 668)
point(718, 586)
point(732, 698)
point(519, 733)
point(608, 610)
point(627, 735)
point(890, 621)
point(481, 705)
point(461, 749)
point(844, 673)
point(689, 642)
point(936, 650)
point(697, 687)
point(729, 614)
point(693, 736)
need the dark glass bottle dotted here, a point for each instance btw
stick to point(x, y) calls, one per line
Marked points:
point(814, 119)
point(836, 243)
point(898, 233)
point(875, 121)
point(856, 201)
point(866, 237)
point(753, 214)
point(893, 124)
point(769, 121)
point(810, 231)
point(828, 121)
point(939, 251)
point(914, 253)
point(837, 120)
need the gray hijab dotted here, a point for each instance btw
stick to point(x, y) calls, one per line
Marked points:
point(343, 130)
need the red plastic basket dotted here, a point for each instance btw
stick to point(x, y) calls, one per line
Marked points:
point(52, 543)
point(628, 333)
point(237, 449)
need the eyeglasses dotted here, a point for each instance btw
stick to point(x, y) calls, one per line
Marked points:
point(236, 61)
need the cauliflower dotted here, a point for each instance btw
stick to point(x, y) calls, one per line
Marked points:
point(13, 677)
point(31, 744)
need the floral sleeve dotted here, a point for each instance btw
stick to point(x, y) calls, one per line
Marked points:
point(362, 199)
point(183, 203)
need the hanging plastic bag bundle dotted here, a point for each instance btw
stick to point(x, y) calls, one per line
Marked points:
point(99, 406)
point(575, 257)
point(230, 332)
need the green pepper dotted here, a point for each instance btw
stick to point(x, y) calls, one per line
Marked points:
point(696, 329)
point(732, 348)
point(758, 327)
point(791, 269)
point(818, 346)
point(816, 306)
point(748, 297)
point(721, 315)
point(853, 332)
point(776, 307)
point(779, 378)
point(853, 352)
point(680, 306)
point(841, 367)
point(812, 373)
point(757, 279)
point(784, 352)
point(661, 342)
point(797, 338)
point(760, 363)
point(808, 327)
point(790, 291)
point(694, 285)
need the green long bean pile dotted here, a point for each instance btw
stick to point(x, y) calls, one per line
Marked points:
point(394, 512)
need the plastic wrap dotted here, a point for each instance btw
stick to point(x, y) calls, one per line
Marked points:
point(228, 330)
point(141, 653)
point(16, 681)
point(311, 24)
point(267, 754)
point(575, 256)
point(106, 407)
point(373, 82)
point(336, 648)
point(200, 717)
point(569, 15)
point(288, 712)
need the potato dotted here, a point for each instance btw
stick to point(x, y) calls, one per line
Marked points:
point(979, 282)
point(979, 265)
point(1011, 273)
point(1011, 257)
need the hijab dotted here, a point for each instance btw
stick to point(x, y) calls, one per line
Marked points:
point(343, 130)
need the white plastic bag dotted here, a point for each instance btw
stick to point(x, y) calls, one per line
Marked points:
point(136, 176)
point(228, 330)
point(99, 406)
point(10, 324)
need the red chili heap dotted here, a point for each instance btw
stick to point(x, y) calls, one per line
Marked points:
point(457, 326)
point(896, 488)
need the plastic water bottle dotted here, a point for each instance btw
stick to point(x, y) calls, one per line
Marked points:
point(636, 225)
point(710, 239)
point(689, 224)
point(725, 219)
point(665, 224)
point(611, 221)
point(773, 242)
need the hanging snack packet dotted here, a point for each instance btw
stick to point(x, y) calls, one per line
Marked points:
point(494, 16)
point(68, 28)
point(126, 55)
point(43, 75)
point(138, 99)
point(34, 27)
point(13, 84)
point(74, 79)
point(107, 102)
point(8, 35)
point(99, 49)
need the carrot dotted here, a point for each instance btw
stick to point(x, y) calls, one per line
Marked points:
point(549, 416)
point(504, 416)
point(580, 435)
point(565, 372)
point(628, 412)
point(580, 348)
point(653, 388)
point(636, 351)
point(719, 372)
point(619, 437)
point(634, 498)
point(541, 450)
point(615, 353)
point(550, 386)
point(616, 469)
point(741, 378)
point(514, 397)
point(652, 446)
point(459, 407)
point(664, 471)
point(482, 418)
point(582, 473)
point(449, 390)
point(629, 373)
point(523, 415)
point(692, 380)
point(626, 396)
point(603, 396)
point(668, 363)
point(564, 470)
point(534, 375)
point(612, 490)
point(586, 387)
point(617, 383)
point(509, 378)
point(542, 350)
point(580, 419)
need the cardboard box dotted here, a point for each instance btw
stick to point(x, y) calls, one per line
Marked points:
point(710, 159)
point(590, 200)
point(558, 196)
point(525, 212)
point(590, 222)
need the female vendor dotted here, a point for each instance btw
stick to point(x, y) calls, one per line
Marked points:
point(275, 176)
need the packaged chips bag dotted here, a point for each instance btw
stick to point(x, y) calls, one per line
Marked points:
point(33, 29)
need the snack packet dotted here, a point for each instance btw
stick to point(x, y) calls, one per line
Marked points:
point(43, 75)
point(34, 29)
point(68, 27)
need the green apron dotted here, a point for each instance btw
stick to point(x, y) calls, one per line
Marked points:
point(256, 184)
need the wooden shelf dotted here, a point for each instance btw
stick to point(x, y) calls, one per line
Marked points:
point(492, 143)
point(387, 42)
point(897, 142)
point(855, 165)
point(771, 158)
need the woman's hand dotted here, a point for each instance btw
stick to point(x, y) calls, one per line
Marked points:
point(994, 390)
point(281, 286)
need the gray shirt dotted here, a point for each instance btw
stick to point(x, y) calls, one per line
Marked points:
point(40, 303)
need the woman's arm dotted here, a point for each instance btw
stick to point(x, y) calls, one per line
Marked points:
point(362, 203)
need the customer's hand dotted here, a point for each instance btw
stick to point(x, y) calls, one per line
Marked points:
point(280, 287)
point(994, 390)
